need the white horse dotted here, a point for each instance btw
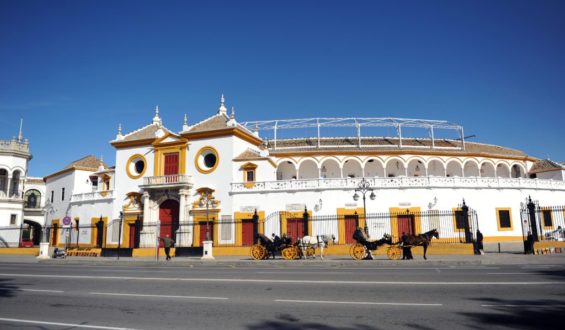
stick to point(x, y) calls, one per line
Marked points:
point(312, 242)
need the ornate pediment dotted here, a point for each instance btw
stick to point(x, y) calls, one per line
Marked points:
point(133, 202)
point(205, 197)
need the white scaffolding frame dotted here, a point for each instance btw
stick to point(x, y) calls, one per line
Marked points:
point(358, 123)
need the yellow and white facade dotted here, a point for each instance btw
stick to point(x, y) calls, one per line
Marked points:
point(219, 172)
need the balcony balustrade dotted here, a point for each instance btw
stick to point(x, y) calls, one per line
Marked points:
point(400, 182)
point(175, 180)
point(92, 196)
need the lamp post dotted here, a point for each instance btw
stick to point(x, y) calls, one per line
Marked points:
point(207, 201)
point(364, 188)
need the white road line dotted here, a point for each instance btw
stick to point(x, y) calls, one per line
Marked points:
point(511, 273)
point(354, 302)
point(536, 306)
point(64, 324)
point(273, 281)
point(155, 296)
point(37, 290)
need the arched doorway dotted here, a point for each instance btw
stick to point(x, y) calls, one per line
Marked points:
point(169, 216)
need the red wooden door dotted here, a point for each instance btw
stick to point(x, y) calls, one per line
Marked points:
point(351, 224)
point(171, 164)
point(247, 238)
point(55, 234)
point(132, 235)
point(203, 231)
point(405, 225)
point(295, 228)
point(169, 216)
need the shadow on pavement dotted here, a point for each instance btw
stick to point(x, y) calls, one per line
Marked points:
point(519, 314)
point(7, 290)
point(288, 322)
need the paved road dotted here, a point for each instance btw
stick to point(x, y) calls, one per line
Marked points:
point(281, 295)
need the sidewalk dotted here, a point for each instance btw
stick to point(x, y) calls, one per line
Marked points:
point(334, 261)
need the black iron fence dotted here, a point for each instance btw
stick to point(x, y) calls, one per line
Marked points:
point(454, 226)
point(543, 222)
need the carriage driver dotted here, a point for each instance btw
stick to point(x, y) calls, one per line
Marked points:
point(367, 238)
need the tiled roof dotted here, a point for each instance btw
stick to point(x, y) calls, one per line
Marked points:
point(248, 155)
point(88, 162)
point(422, 146)
point(144, 133)
point(545, 165)
point(216, 122)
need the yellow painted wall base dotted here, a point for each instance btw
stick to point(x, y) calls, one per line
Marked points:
point(150, 252)
point(548, 244)
point(20, 251)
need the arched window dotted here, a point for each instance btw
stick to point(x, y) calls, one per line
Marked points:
point(32, 199)
point(15, 185)
point(3, 181)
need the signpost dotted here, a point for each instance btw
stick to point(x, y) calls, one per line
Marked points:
point(67, 223)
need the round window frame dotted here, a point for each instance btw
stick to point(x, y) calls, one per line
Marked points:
point(131, 164)
point(200, 164)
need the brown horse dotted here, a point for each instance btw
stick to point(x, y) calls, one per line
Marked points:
point(420, 240)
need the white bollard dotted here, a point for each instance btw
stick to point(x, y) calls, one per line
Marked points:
point(44, 251)
point(207, 252)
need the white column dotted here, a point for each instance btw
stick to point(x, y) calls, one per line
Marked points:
point(147, 235)
point(184, 233)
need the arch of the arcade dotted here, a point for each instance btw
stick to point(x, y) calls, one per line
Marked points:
point(314, 167)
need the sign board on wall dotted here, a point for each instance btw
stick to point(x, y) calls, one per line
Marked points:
point(67, 222)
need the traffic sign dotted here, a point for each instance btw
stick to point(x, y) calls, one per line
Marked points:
point(67, 221)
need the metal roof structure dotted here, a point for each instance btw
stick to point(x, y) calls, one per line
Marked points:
point(358, 123)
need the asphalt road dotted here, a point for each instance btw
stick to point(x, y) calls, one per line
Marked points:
point(281, 296)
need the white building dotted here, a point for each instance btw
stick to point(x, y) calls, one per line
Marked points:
point(14, 158)
point(213, 177)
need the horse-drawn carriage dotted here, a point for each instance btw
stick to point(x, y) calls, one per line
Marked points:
point(266, 247)
point(304, 247)
point(361, 249)
point(363, 246)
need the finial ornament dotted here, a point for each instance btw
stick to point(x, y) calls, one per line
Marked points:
point(232, 115)
point(157, 119)
point(222, 109)
point(185, 121)
point(120, 129)
point(20, 134)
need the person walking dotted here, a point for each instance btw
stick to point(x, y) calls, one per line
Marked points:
point(168, 243)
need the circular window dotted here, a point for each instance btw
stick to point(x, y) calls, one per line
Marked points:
point(136, 166)
point(206, 160)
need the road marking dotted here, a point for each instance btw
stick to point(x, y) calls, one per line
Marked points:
point(511, 273)
point(273, 281)
point(63, 324)
point(155, 296)
point(354, 302)
point(37, 290)
point(536, 306)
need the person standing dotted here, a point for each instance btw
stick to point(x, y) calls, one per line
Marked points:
point(168, 243)
point(480, 243)
point(530, 243)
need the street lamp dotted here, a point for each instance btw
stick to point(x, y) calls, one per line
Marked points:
point(207, 201)
point(364, 188)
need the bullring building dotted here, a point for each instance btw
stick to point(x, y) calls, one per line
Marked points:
point(225, 181)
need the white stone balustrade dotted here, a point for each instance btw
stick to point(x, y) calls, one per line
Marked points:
point(401, 182)
point(176, 179)
point(96, 195)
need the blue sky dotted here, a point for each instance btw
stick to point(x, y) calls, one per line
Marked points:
point(74, 70)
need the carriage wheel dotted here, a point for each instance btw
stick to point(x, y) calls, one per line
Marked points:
point(394, 252)
point(358, 251)
point(258, 252)
point(289, 253)
point(310, 252)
